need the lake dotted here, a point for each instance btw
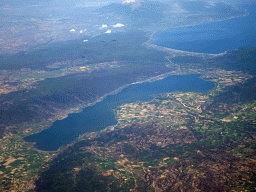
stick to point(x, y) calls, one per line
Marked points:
point(101, 115)
point(214, 37)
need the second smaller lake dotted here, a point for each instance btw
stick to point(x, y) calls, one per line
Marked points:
point(101, 115)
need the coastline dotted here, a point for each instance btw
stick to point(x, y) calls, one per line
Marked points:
point(151, 41)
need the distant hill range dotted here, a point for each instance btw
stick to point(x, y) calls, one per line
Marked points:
point(152, 13)
point(137, 12)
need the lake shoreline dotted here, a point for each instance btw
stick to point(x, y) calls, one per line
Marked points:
point(99, 115)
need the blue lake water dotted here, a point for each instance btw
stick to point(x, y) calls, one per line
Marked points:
point(215, 37)
point(99, 116)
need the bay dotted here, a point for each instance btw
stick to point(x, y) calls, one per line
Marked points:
point(214, 37)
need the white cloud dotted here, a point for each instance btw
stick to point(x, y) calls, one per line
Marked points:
point(85, 40)
point(129, 1)
point(118, 25)
point(81, 31)
point(72, 30)
point(104, 26)
point(108, 31)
